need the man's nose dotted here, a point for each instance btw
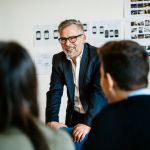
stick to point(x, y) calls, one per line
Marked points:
point(68, 42)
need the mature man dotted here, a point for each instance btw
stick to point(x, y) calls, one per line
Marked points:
point(77, 67)
point(124, 124)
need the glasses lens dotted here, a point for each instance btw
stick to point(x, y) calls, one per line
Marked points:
point(62, 40)
point(72, 39)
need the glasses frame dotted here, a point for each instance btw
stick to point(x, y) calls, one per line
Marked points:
point(63, 40)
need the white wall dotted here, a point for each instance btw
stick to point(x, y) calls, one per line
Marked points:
point(17, 17)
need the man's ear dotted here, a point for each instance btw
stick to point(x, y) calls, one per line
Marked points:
point(84, 37)
point(110, 81)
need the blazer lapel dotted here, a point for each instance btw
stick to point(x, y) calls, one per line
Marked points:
point(83, 65)
point(69, 75)
point(69, 78)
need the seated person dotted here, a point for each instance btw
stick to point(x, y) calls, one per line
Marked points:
point(20, 128)
point(124, 124)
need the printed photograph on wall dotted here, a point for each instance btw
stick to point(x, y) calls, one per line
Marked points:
point(105, 30)
point(45, 35)
point(137, 8)
point(138, 29)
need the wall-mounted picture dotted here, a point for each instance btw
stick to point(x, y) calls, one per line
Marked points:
point(85, 27)
point(94, 30)
point(55, 34)
point(38, 35)
point(46, 34)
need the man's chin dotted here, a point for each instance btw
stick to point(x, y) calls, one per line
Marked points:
point(70, 56)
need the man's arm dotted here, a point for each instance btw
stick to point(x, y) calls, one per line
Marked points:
point(96, 103)
point(91, 94)
point(96, 99)
point(55, 92)
point(56, 125)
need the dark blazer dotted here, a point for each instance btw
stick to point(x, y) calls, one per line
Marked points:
point(122, 126)
point(91, 95)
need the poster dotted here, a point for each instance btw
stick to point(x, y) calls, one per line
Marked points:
point(138, 29)
point(103, 31)
point(97, 33)
point(136, 8)
point(45, 35)
point(43, 62)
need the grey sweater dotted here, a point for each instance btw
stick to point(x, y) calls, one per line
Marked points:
point(14, 139)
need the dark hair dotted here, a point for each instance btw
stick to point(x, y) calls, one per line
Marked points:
point(18, 96)
point(69, 22)
point(127, 63)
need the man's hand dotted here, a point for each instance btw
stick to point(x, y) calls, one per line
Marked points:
point(56, 125)
point(79, 132)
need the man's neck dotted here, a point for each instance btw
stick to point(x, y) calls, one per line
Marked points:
point(119, 95)
point(74, 60)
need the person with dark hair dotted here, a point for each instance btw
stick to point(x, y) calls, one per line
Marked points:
point(124, 124)
point(77, 68)
point(19, 124)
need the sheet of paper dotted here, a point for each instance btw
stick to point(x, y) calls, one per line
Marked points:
point(45, 35)
point(43, 62)
point(138, 29)
point(133, 8)
point(103, 31)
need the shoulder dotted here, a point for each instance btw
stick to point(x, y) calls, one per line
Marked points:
point(59, 58)
point(107, 114)
point(15, 139)
point(90, 47)
point(91, 51)
point(59, 55)
point(57, 138)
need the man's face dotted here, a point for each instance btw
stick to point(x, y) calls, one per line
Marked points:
point(72, 49)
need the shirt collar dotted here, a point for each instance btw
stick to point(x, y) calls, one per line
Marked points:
point(143, 91)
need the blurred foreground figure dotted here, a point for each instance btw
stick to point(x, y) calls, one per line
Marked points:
point(20, 128)
point(124, 124)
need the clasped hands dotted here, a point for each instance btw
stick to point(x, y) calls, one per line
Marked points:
point(79, 131)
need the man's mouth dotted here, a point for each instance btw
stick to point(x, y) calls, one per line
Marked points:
point(69, 50)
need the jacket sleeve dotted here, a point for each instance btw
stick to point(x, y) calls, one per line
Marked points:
point(53, 96)
point(96, 98)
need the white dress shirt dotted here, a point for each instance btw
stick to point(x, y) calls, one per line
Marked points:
point(75, 70)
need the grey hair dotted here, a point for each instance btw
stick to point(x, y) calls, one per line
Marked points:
point(69, 22)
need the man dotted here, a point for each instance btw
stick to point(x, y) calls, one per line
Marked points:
point(77, 67)
point(125, 123)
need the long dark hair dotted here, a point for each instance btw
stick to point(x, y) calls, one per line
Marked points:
point(18, 96)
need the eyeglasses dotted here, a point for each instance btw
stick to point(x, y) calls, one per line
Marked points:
point(71, 39)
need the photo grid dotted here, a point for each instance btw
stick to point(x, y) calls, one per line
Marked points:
point(140, 29)
point(139, 7)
